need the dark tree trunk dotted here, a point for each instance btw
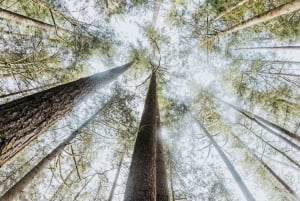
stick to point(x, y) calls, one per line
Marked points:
point(111, 194)
point(141, 183)
point(17, 188)
point(162, 191)
point(22, 120)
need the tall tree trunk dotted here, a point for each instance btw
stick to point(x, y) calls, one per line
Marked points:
point(141, 183)
point(16, 189)
point(276, 149)
point(247, 194)
point(157, 4)
point(112, 191)
point(171, 177)
point(273, 74)
point(228, 10)
point(266, 124)
point(288, 47)
point(8, 15)
point(264, 17)
point(268, 168)
point(162, 191)
point(22, 120)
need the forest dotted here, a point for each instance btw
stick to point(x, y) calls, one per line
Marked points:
point(175, 100)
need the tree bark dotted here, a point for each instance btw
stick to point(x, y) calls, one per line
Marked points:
point(247, 194)
point(8, 15)
point(162, 191)
point(111, 194)
point(229, 9)
point(141, 183)
point(264, 17)
point(22, 120)
point(16, 189)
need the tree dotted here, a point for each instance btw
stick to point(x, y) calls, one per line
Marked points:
point(22, 120)
point(157, 4)
point(247, 194)
point(17, 188)
point(162, 191)
point(264, 17)
point(259, 120)
point(141, 182)
point(8, 15)
point(111, 194)
point(228, 10)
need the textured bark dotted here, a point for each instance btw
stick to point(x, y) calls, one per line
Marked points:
point(162, 191)
point(8, 15)
point(264, 17)
point(22, 120)
point(141, 183)
point(16, 189)
point(247, 194)
point(111, 194)
point(267, 125)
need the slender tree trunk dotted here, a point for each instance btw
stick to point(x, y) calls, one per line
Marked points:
point(229, 10)
point(273, 74)
point(247, 194)
point(270, 48)
point(162, 191)
point(16, 189)
point(111, 194)
point(22, 120)
point(272, 61)
point(157, 4)
point(268, 168)
point(257, 119)
point(264, 17)
point(8, 15)
point(171, 177)
point(276, 149)
point(141, 183)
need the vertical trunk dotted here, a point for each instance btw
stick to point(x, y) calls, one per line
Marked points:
point(229, 10)
point(141, 183)
point(264, 17)
point(162, 191)
point(247, 194)
point(8, 15)
point(16, 189)
point(157, 4)
point(111, 194)
point(22, 120)
point(263, 122)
